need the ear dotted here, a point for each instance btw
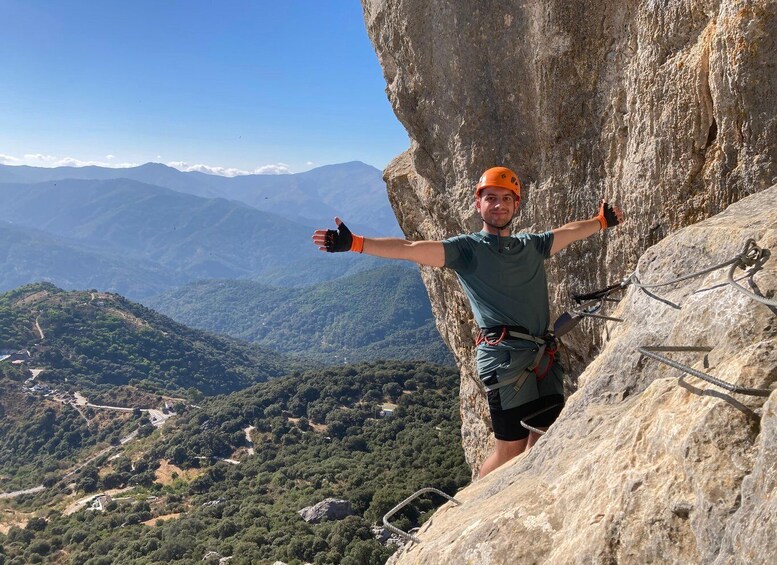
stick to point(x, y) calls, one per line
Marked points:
point(477, 204)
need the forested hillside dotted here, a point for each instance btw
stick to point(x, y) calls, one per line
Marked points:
point(199, 490)
point(42, 439)
point(382, 313)
point(93, 341)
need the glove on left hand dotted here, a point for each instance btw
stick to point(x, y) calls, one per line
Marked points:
point(607, 217)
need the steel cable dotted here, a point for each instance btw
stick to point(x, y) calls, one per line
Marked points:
point(530, 416)
point(631, 279)
point(751, 256)
point(649, 351)
point(743, 290)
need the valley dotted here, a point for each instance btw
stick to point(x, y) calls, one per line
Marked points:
point(115, 416)
point(252, 458)
point(287, 377)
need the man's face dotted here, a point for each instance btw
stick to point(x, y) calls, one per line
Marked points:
point(497, 206)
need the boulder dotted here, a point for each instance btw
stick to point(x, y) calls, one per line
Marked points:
point(327, 509)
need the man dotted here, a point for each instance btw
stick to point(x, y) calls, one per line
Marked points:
point(504, 278)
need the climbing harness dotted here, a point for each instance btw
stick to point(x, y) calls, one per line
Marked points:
point(404, 503)
point(545, 345)
point(652, 353)
point(483, 337)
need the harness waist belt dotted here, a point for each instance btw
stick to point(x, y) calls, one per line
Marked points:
point(503, 332)
point(515, 380)
point(500, 333)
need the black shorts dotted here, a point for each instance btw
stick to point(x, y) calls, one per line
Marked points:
point(507, 423)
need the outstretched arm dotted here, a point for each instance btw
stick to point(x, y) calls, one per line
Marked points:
point(608, 217)
point(430, 253)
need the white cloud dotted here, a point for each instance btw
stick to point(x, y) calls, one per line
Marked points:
point(310, 163)
point(276, 169)
point(8, 160)
point(73, 162)
point(41, 160)
point(207, 169)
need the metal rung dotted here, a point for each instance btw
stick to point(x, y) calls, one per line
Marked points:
point(404, 503)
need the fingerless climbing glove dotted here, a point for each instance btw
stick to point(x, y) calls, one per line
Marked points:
point(607, 217)
point(342, 239)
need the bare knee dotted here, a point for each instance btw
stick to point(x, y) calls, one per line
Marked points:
point(510, 449)
point(503, 452)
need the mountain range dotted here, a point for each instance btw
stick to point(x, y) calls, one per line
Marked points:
point(354, 191)
point(28, 255)
point(216, 263)
point(134, 238)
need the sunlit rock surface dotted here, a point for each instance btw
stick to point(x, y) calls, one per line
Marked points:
point(646, 465)
point(667, 108)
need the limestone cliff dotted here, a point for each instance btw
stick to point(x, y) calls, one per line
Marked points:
point(665, 107)
point(646, 464)
point(668, 109)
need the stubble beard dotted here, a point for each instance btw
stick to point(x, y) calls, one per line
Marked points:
point(498, 227)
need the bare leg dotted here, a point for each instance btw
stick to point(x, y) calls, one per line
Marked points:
point(503, 452)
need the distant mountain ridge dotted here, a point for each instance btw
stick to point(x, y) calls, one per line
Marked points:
point(31, 255)
point(354, 191)
point(170, 236)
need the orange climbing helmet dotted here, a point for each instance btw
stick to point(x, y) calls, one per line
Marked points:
point(499, 177)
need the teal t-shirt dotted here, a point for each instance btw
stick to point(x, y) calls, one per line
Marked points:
point(503, 277)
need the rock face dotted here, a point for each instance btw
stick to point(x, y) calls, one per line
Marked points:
point(327, 509)
point(665, 107)
point(646, 464)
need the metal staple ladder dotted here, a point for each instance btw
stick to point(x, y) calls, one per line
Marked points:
point(404, 503)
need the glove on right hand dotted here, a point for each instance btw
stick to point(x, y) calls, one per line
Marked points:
point(339, 240)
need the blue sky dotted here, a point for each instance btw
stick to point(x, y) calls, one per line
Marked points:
point(261, 86)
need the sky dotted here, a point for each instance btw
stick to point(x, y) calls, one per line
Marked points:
point(227, 87)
